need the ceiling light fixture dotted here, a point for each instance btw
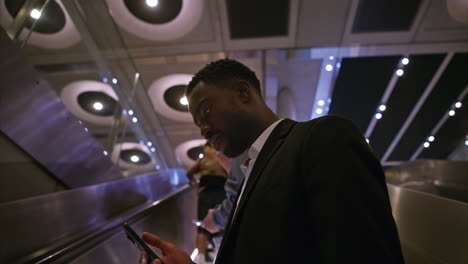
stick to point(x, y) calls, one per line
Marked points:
point(458, 104)
point(367, 140)
point(149, 143)
point(134, 119)
point(378, 116)
point(319, 111)
point(329, 67)
point(321, 102)
point(152, 3)
point(451, 112)
point(36, 14)
point(98, 106)
point(183, 100)
point(153, 149)
point(399, 72)
point(331, 58)
point(114, 80)
point(135, 158)
point(431, 138)
point(200, 155)
point(426, 144)
point(130, 112)
point(466, 142)
point(105, 153)
point(405, 61)
point(382, 108)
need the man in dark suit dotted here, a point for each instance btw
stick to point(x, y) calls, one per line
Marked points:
point(313, 191)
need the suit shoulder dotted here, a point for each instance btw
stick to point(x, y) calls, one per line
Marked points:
point(328, 121)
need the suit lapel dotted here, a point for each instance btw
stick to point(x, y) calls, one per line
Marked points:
point(273, 142)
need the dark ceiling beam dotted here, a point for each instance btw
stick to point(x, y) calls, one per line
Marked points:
point(417, 106)
point(439, 124)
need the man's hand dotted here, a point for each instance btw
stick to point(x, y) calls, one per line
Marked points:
point(171, 253)
point(208, 223)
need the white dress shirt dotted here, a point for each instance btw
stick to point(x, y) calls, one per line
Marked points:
point(253, 154)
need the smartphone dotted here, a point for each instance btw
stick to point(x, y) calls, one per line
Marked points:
point(139, 243)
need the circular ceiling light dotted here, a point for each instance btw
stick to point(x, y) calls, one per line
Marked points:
point(399, 72)
point(165, 94)
point(171, 19)
point(167, 10)
point(431, 138)
point(458, 104)
point(329, 67)
point(97, 103)
point(151, 3)
point(53, 27)
point(382, 108)
point(426, 144)
point(80, 96)
point(188, 152)
point(321, 102)
point(175, 98)
point(319, 111)
point(378, 116)
point(451, 112)
point(405, 61)
point(98, 106)
point(133, 156)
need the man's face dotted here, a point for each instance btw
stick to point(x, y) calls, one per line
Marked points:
point(219, 115)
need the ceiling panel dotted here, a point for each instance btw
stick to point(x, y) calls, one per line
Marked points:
point(260, 18)
point(359, 87)
point(409, 87)
point(385, 15)
point(444, 94)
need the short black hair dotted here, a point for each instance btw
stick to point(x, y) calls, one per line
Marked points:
point(224, 70)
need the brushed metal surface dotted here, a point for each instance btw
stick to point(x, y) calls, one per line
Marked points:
point(33, 116)
point(448, 179)
point(432, 229)
point(60, 218)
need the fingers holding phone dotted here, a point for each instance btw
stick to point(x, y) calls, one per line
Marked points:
point(171, 253)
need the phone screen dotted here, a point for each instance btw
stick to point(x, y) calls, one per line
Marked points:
point(139, 243)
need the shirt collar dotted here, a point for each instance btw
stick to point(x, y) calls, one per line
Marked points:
point(260, 141)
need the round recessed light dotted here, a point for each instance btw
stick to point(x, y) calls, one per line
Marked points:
point(405, 61)
point(331, 58)
point(382, 108)
point(98, 106)
point(114, 80)
point(200, 155)
point(36, 14)
point(458, 104)
point(130, 112)
point(149, 143)
point(329, 67)
point(451, 112)
point(367, 140)
point(431, 138)
point(319, 111)
point(152, 3)
point(399, 72)
point(105, 153)
point(378, 115)
point(153, 149)
point(134, 158)
point(134, 119)
point(183, 100)
point(321, 102)
point(426, 144)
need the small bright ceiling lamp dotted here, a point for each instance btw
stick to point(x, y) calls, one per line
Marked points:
point(399, 72)
point(134, 119)
point(36, 14)
point(405, 61)
point(331, 58)
point(149, 143)
point(458, 104)
point(367, 140)
point(105, 153)
point(431, 138)
point(426, 144)
point(114, 80)
point(152, 3)
point(130, 112)
point(319, 111)
point(135, 158)
point(329, 67)
point(200, 155)
point(466, 142)
point(378, 115)
point(451, 112)
point(86, 129)
point(382, 108)
point(153, 149)
point(98, 106)
point(321, 102)
point(183, 100)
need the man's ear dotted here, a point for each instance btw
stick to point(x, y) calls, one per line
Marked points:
point(243, 91)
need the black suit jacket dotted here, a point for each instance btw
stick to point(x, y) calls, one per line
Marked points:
point(316, 194)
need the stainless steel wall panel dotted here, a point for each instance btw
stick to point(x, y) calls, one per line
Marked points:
point(59, 218)
point(33, 116)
